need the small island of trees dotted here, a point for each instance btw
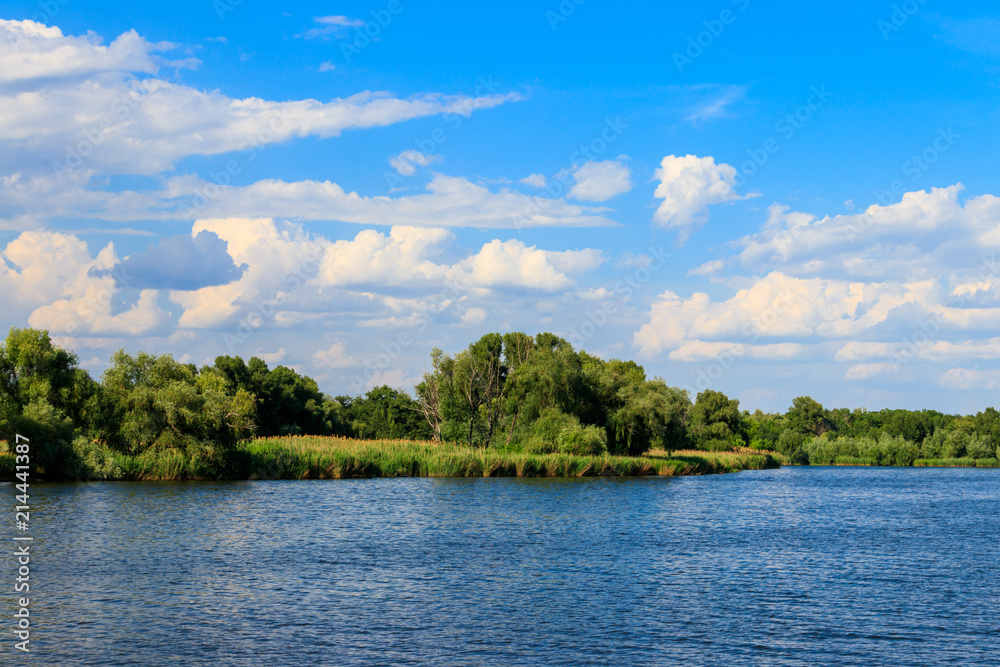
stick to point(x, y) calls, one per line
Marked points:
point(508, 404)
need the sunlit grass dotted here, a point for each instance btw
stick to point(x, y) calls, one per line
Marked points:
point(305, 457)
point(314, 457)
point(957, 463)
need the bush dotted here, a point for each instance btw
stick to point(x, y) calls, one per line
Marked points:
point(583, 440)
point(93, 461)
point(980, 447)
point(790, 441)
point(50, 433)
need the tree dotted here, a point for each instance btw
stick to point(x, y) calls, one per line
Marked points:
point(807, 417)
point(716, 423)
point(155, 402)
point(386, 414)
point(33, 370)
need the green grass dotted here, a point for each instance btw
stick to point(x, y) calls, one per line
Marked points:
point(309, 457)
point(957, 463)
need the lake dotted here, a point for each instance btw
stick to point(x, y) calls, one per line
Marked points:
point(798, 566)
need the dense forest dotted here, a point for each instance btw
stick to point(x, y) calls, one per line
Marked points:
point(505, 391)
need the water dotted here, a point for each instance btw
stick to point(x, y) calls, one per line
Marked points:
point(818, 566)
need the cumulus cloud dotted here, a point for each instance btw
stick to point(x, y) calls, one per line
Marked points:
point(406, 162)
point(777, 306)
point(335, 356)
point(688, 186)
point(179, 263)
point(31, 51)
point(971, 379)
point(600, 181)
point(48, 279)
point(926, 235)
point(893, 293)
point(294, 274)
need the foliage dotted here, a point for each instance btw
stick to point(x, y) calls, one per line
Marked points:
point(716, 423)
point(518, 402)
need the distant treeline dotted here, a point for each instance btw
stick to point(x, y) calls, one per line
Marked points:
point(511, 391)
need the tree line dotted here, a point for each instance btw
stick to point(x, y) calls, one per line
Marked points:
point(509, 391)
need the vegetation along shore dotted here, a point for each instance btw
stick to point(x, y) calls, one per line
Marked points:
point(508, 405)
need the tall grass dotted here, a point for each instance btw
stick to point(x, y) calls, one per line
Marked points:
point(957, 463)
point(313, 457)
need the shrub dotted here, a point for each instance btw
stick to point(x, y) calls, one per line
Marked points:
point(583, 440)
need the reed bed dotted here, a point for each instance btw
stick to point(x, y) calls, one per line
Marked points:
point(313, 457)
point(956, 463)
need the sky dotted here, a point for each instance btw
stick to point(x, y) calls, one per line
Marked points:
point(769, 201)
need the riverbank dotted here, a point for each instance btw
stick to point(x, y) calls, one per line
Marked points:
point(312, 457)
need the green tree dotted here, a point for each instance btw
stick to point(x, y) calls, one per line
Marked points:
point(716, 422)
point(807, 417)
point(387, 414)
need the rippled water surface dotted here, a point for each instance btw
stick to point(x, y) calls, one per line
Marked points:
point(796, 566)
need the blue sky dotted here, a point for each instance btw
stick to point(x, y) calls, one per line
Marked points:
point(766, 202)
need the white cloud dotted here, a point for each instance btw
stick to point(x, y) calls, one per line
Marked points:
point(406, 162)
point(703, 351)
point(48, 282)
point(863, 372)
point(971, 379)
point(513, 264)
point(331, 26)
point(32, 51)
point(708, 268)
point(327, 66)
point(474, 316)
point(926, 235)
point(600, 181)
point(86, 106)
point(335, 356)
point(535, 180)
point(448, 202)
point(778, 306)
point(688, 186)
point(272, 358)
point(293, 274)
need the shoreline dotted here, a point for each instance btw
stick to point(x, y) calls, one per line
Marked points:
point(315, 457)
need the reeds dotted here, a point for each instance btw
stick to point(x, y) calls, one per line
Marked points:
point(957, 463)
point(314, 457)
